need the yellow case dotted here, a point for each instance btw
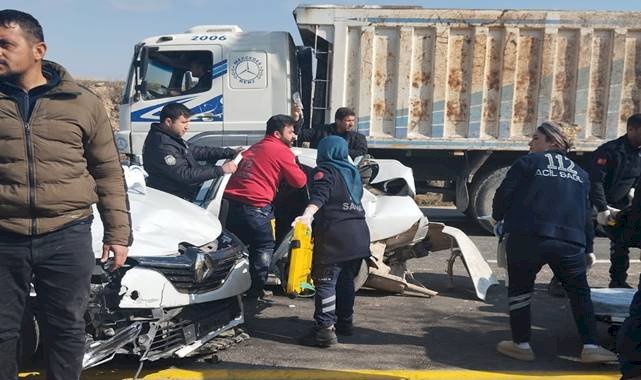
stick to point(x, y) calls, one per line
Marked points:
point(300, 260)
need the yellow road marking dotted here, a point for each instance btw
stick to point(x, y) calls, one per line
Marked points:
point(319, 374)
point(25, 375)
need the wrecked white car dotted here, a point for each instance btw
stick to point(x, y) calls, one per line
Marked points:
point(181, 286)
point(399, 231)
point(183, 281)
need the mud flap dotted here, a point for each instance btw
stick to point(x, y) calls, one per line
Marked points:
point(444, 237)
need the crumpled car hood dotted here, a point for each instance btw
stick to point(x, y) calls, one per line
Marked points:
point(388, 169)
point(160, 222)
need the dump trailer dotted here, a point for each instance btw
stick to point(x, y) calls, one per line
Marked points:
point(453, 94)
point(456, 94)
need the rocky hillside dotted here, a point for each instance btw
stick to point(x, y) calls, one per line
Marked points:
point(110, 93)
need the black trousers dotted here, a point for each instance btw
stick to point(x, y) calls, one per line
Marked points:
point(629, 339)
point(334, 300)
point(525, 256)
point(59, 264)
point(619, 262)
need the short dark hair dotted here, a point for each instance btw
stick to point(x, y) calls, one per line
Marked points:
point(278, 123)
point(174, 111)
point(634, 121)
point(343, 112)
point(29, 25)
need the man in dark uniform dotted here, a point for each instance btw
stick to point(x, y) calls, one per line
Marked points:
point(629, 337)
point(343, 125)
point(172, 163)
point(539, 235)
point(615, 167)
point(629, 341)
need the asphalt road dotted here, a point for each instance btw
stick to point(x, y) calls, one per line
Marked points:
point(453, 331)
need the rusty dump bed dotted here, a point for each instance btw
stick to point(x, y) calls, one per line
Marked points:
point(478, 79)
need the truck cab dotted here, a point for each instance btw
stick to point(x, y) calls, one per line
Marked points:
point(228, 78)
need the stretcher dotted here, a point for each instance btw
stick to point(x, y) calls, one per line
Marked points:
point(612, 306)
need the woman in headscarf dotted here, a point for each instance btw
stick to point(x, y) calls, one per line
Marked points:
point(341, 240)
point(543, 202)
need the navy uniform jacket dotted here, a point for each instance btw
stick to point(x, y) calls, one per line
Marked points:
point(172, 163)
point(544, 194)
point(356, 142)
point(339, 229)
point(614, 169)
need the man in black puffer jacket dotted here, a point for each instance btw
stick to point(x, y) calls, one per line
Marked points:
point(172, 163)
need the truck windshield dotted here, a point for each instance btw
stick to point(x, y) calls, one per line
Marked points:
point(174, 73)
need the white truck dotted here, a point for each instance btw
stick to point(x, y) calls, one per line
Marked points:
point(453, 94)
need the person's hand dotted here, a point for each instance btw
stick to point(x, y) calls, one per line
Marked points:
point(306, 219)
point(590, 258)
point(607, 216)
point(613, 211)
point(296, 112)
point(240, 149)
point(119, 253)
point(602, 217)
point(229, 167)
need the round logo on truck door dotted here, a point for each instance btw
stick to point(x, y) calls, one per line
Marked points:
point(248, 70)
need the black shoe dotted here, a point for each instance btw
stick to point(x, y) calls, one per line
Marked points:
point(345, 328)
point(619, 285)
point(555, 289)
point(319, 337)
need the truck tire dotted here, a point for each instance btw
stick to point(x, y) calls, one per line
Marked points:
point(483, 193)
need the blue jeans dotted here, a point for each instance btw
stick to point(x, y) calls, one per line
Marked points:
point(61, 264)
point(525, 256)
point(253, 225)
point(334, 300)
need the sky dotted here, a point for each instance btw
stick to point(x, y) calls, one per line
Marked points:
point(94, 39)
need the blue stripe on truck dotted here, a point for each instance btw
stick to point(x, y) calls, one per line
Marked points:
point(152, 113)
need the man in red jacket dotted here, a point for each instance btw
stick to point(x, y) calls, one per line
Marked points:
point(251, 191)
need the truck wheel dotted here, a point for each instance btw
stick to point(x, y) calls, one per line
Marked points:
point(29, 337)
point(362, 275)
point(483, 194)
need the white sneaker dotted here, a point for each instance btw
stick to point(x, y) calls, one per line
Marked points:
point(597, 354)
point(509, 348)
